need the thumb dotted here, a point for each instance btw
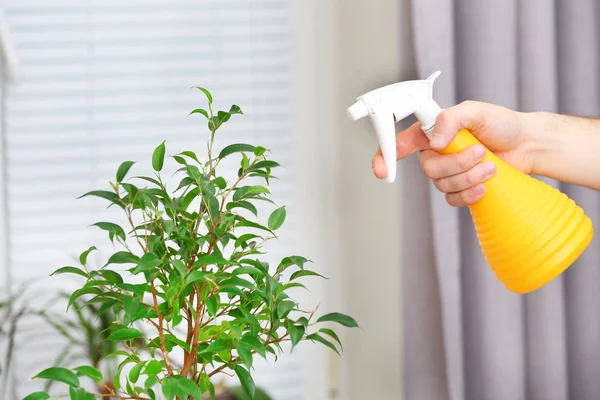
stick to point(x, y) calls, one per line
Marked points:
point(451, 120)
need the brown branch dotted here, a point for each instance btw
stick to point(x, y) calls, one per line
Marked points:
point(161, 332)
point(190, 326)
point(196, 333)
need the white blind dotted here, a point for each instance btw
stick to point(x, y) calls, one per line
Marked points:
point(106, 81)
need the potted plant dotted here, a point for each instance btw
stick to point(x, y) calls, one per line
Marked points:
point(190, 295)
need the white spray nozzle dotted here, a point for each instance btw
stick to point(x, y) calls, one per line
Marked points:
point(387, 105)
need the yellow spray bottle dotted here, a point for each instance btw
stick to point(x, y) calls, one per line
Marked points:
point(529, 231)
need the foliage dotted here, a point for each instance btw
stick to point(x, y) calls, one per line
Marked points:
point(188, 280)
point(12, 312)
point(86, 338)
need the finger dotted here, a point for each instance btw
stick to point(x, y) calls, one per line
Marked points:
point(438, 166)
point(456, 183)
point(407, 142)
point(464, 115)
point(466, 197)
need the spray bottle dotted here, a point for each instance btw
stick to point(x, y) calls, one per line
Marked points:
point(529, 231)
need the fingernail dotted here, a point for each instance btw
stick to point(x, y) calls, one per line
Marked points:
point(479, 151)
point(437, 140)
point(489, 169)
point(479, 189)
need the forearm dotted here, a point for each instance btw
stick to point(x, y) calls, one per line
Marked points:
point(565, 148)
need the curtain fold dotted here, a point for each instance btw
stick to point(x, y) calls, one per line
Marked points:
point(496, 345)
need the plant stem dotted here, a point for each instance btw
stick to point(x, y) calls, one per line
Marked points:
point(161, 332)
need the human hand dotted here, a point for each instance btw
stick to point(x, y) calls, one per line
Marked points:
point(461, 176)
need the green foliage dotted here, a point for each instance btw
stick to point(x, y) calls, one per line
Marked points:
point(186, 290)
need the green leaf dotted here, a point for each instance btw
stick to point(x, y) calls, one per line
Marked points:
point(195, 276)
point(191, 155)
point(130, 305)
point(331, 333)
point(244, 163)
point(320, 339)
point(37, 396)
point(151, 180)
point(236, 148)
point(254, 343)
point(211, 305)
point(305, 272)
point(245, 354)
point(243, 204)
point(125, 334)
point(60, 375)
point(292, 260)
point(259, 151)
point(342, 319)
point(83, 256)
point(138, 289)
point(249, 191)
point(257, 264)
point(284, 308)
point(169, 387)
point(287, 286)
point(112, 229)
point(207, 386)
point(185, 182)
point(235, 109)
point(158, 157)
point(70, 270)
point(200, 111)
point(110, 196)
point(123, 169)
point(213, 208)
point(208, 259)
point(218, 346)
point(134, 373)
point(80, 394)
point(246, 380)
point(249, 224)
point(111, 276)
point(90, 372)
point(147, 262)
point(296, 333)
point(177, 341)
point(190, 387)
point(154, 367)
point(82, 292)
point(265, 164)
point(206, 92)
point(236, 281)
point(179, 267)
point(180, 160)
point(223, 116)
point(123, 257)
point(277, 218)
point(242, 240)
point(220, 182)
point(193, 172)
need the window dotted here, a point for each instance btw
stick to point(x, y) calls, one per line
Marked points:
point(106, 81)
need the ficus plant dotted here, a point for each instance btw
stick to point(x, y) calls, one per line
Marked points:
point(188, 280)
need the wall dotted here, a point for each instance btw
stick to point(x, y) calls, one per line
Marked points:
point(357, 46)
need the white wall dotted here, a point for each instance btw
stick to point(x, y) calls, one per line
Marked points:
point(358, 46)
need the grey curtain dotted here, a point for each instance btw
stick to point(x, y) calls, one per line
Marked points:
point(466, 337)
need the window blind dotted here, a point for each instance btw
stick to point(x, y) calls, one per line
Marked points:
point(106, 81)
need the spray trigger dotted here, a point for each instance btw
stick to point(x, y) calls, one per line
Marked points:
point(390, 104)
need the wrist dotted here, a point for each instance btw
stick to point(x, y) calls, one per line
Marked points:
point(540, 140)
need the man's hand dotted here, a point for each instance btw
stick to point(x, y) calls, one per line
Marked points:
point(461, 176)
